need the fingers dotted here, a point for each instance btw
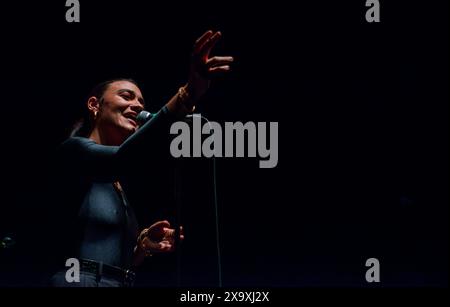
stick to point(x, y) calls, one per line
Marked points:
point(156, 231)
point(165, 246)
point(217, 64)
point(209, 44)
point(161, 224)
point(160, 237)
point(219, 69)
point(219, 61)
point(169, 233)
point(203, 67)
point(150, 246)
point(166, 243)
point(201, 41)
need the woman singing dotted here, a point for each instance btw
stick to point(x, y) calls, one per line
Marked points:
point(99, 225)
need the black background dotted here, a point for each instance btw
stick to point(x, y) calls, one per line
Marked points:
point(363, 134)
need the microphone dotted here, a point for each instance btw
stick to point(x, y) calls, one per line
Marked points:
point(143, 117)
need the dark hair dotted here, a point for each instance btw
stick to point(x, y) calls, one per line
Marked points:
point(83, 126)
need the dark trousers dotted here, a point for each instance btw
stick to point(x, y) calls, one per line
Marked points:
point(86, 280)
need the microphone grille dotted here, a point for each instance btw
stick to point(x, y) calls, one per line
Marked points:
point(143, 117)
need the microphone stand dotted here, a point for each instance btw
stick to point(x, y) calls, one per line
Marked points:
point(178, 207)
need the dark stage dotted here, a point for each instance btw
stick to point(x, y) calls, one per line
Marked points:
point(362, 110)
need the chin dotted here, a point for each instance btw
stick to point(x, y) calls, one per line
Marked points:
point(129, 129)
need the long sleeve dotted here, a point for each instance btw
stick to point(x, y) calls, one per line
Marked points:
point(109, 163)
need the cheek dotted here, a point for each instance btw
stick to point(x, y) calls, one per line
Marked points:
point(114, 110)
point(119, 107)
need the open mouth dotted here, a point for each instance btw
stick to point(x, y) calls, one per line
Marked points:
point(131, 118)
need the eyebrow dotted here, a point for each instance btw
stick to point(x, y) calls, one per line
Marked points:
point(133, 93)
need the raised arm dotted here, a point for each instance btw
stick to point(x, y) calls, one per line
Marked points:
point(151, 140)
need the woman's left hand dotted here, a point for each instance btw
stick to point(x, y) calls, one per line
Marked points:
point(204, 67)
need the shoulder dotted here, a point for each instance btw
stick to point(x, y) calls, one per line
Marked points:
point(77, 141)
point(84, 146)
point(75, 145)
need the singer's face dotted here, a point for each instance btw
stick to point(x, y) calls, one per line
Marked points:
point(119, 106)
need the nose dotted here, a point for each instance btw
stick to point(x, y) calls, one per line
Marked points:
point(137, 107)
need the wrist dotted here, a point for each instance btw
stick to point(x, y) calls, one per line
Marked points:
point(190, 90)
point(183, 102)
point(185, 98)
point(141, 248)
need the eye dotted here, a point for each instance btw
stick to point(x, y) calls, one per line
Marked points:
point(126, 96)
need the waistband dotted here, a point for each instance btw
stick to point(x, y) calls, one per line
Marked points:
point(100, 269)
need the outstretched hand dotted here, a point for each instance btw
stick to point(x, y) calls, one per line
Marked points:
point(203, 67)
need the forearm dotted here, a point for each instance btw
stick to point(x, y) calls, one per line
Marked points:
point(156, 130)
point(150, 141)
point(183, 102)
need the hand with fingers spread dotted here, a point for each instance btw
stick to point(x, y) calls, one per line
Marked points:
point(158, 238)
point(202, 69)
